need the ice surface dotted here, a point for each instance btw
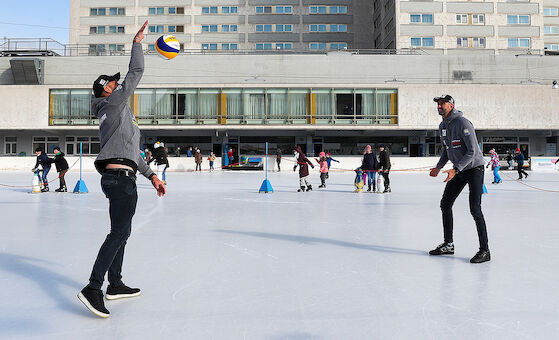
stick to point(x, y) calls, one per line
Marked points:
point(217, 260)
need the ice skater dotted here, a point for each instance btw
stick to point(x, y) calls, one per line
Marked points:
point(369, 166)
point(384, 168)
point(198, 160)
point(495, 166)
point(329, 159)
point(118, 161)
point(519, 158)
point(303, 163)
point(161, 159)
point(61, 167)
point(211, 159)
point(44, 161)
point(460, 146)
point(323, 163)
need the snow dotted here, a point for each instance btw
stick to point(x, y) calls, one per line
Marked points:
point(217, 260)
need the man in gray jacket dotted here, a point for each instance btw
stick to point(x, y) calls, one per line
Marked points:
point(460, 146)
point(118, 161)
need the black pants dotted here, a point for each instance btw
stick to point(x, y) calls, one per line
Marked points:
point(521, 171)
point(323, 176)
point(474, 179)
point(386, 179)
point(62, 180)
point(198, 167)
point(122, 195)
point(278, 161)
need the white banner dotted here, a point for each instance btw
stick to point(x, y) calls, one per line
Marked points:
point(543, 164)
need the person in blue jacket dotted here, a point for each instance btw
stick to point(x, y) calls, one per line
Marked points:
point(519, 158)
point(329, 161)
point(44, 161)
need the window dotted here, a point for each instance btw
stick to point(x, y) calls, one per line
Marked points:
point(225, 10)
point(209, 10)
point(151, 47)
point(263, 9)
point(115, 48)
point(209, 28)
point(519, 42)
point(518, 19)
point(422, 42)
point(10, 145)
point(100, 29)
point(229, 28)
point(90, 145)
point(338, 9)
point(550, 12)
point(156, 28)
point(284, 46)
point(101, 11)
point(263, 28)
point(317, 46)
point(467, 42)
point(284, 9)
point(264, 46)
point(176, 10)
point(172, 29)
point(552, 47)
point(550, 30)
point(45, 143)
point(209, 46)
point(462, 19)
point(478, 19)
point(284, 28)
point(338, 46)
point(229, 46)
point(421, 18)
point(156, 10)
point(116, 29)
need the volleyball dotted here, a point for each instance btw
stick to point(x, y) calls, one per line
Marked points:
point(167, 46)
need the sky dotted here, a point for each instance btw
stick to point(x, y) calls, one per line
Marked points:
point(17, 18)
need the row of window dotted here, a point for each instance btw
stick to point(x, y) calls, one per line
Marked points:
point(274, 9)
point(224, 46)
point(103, 30)
point(165, 10)
point(551, 30)
point(72, 106)
point(259, 46)
point(465, 42)
point(161, 29)
point(552, 47)
point(224, 10)
point(220, 28)
point(102, 11)
point(101, 49)
point(227, 28)
point(328, 9)
point(469, 19)
point(328, 28)
point(274, 28)
point(550, 12)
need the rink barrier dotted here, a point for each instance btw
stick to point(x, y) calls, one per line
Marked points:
point(53, 181)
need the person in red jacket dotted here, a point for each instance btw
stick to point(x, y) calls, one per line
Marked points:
point(303, 163)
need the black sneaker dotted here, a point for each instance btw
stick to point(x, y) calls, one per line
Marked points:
point(93, 300)
point(443, 249)
point(481, 256)
point(120, 292)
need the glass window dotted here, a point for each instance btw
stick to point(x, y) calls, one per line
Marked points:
point(120, 29)
point(342, 28)
point(416, 42)
point(160, 10)
point(279, 28)
point(160, 29)
point(233, 28)
point(208, 103)
point(234, 103)
point(313, 9)
point(113, 11)
point(234, 9)
point(151, 28)
point(267, 9)
point(512, 19)
point(322, 10)
point(80, 104)
point(298, 103)
point(267, 28)
point(279, 9)
point(172, 29)
point(427, 18)
point(172, 10)
point(151, 11)
point(59, 105)
point(213, 10)
point(478, 19)
point(187, 107)
point(254, 105)
point(333, 9)
point(462, 19)
point(112, 29)
point(101, 11)
point(225, 10)
point(93, 30)
point(524, 19)
point(93, 11)
point(151, 47)
point(288, 9)
point(314, 28)
point(100, 29)
point(524, 42)
point(277, 103)
point(205, 10)
point(259, 9)
point(322, 28)
point(205, 28)
point(323, 101)
point(428, 42)
point(365, 102)
point(165, 106)
point(415, 18)
point(224, 28)
point(213, 28)
point(342, 9)
point(144, 105)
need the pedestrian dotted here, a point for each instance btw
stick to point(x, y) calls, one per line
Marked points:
point(178, 151)
point(369, 166)
point(189, 152)
point(117, 162)
point(211, 159)
point(44, 161)
point(61, 167)
point(460, 146)
point(230, 157)
point(278, 158)
point(384, 168)
point(303, 163)
point(329, 159)
point(161, 159)
point(198, 160)
point(509, 159)
point(495, 166)
point(519, 158)
point(323, 163)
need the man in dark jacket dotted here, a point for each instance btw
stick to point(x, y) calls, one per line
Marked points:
point(61, 167)
point(519, 158)
point(385, 167)
point(44, 161)
point(303, 163)
point(460, 146)
point(118, 161)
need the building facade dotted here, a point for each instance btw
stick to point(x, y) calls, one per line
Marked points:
point(107, 27)
point(338, 102)
point(458, 27)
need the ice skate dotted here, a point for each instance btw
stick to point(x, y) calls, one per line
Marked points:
point(387, 189)
point(322, 186)
point(63, 189)
point(309, 188)
point(120, 292)
point(45, 188)
point(301, 189)
point(369, 188)
point(443, 249)
point(481, 256)
point(93, 300)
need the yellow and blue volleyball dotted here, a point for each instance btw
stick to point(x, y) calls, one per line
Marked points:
point(167, 46)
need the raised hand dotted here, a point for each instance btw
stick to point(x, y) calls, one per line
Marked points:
point(140, 35)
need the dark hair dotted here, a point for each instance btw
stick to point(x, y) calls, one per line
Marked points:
point(56, 148)
point(39, 149)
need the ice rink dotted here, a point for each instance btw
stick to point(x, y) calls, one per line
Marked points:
point(217, 260)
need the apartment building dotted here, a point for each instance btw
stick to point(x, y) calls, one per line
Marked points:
point(551, 25)
point(107, 27)
point(457, 27)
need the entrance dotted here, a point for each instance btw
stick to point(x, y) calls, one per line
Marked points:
point(416, 150)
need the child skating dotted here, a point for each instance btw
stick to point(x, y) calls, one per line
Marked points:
point(329, 159)
point(211, 159)
point(303, 163)
point(323, 163)
point(44, 161)
point(61, 167)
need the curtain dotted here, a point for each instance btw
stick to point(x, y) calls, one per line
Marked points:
point(323, 105)
point(145, 103)
point(383, 101)
point(208, 104)
point(234, 103)
point(277, 104)
point(188, 103)
point(80, 104)
point(60, 104)
point(165, 103)
point(368, 105)
point(253, 101)
point(298, 104)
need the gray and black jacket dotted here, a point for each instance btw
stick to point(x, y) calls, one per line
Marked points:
point(460, 144)
point(118, 128)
